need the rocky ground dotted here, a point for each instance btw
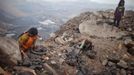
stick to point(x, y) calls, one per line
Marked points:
point(88, 44)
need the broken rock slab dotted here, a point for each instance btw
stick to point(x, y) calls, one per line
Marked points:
point(92, 29)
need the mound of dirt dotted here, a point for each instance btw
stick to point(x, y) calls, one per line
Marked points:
point(109, 55)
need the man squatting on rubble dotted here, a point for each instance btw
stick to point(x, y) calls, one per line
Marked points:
point(27, 41)
point(119, 13)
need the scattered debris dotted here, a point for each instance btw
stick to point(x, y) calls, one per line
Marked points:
point(98, 49)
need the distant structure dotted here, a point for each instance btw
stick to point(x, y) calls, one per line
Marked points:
point(119, 13)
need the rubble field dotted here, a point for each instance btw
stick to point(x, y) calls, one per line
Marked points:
point(87, 44)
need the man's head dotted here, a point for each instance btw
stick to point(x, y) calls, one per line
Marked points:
point(121, 3)
point(33, 31)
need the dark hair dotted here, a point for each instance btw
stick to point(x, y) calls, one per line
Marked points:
point(33, 31)
point(121, 3)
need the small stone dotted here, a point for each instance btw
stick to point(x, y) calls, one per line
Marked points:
point(130, 48)
point(2, 71)
point(52, 35)
point(60, 40)
point(61, 60)
point(91, 54)
point(40, 38)
point(128, 40)
point(129, 29)
point(123, 72)
point(46, 58)
point(122, 64)
point(131, 51)
point(125, 57)
point(130, 64)
point(104, 62)
point(53, 62)
point(111, 64)
point(114, 58)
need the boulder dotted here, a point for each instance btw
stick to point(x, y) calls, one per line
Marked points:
point(92, 29)
point(9, 51)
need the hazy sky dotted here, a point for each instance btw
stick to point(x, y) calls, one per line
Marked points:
point(128, 2)
point(8, 5)
point(113, 1)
